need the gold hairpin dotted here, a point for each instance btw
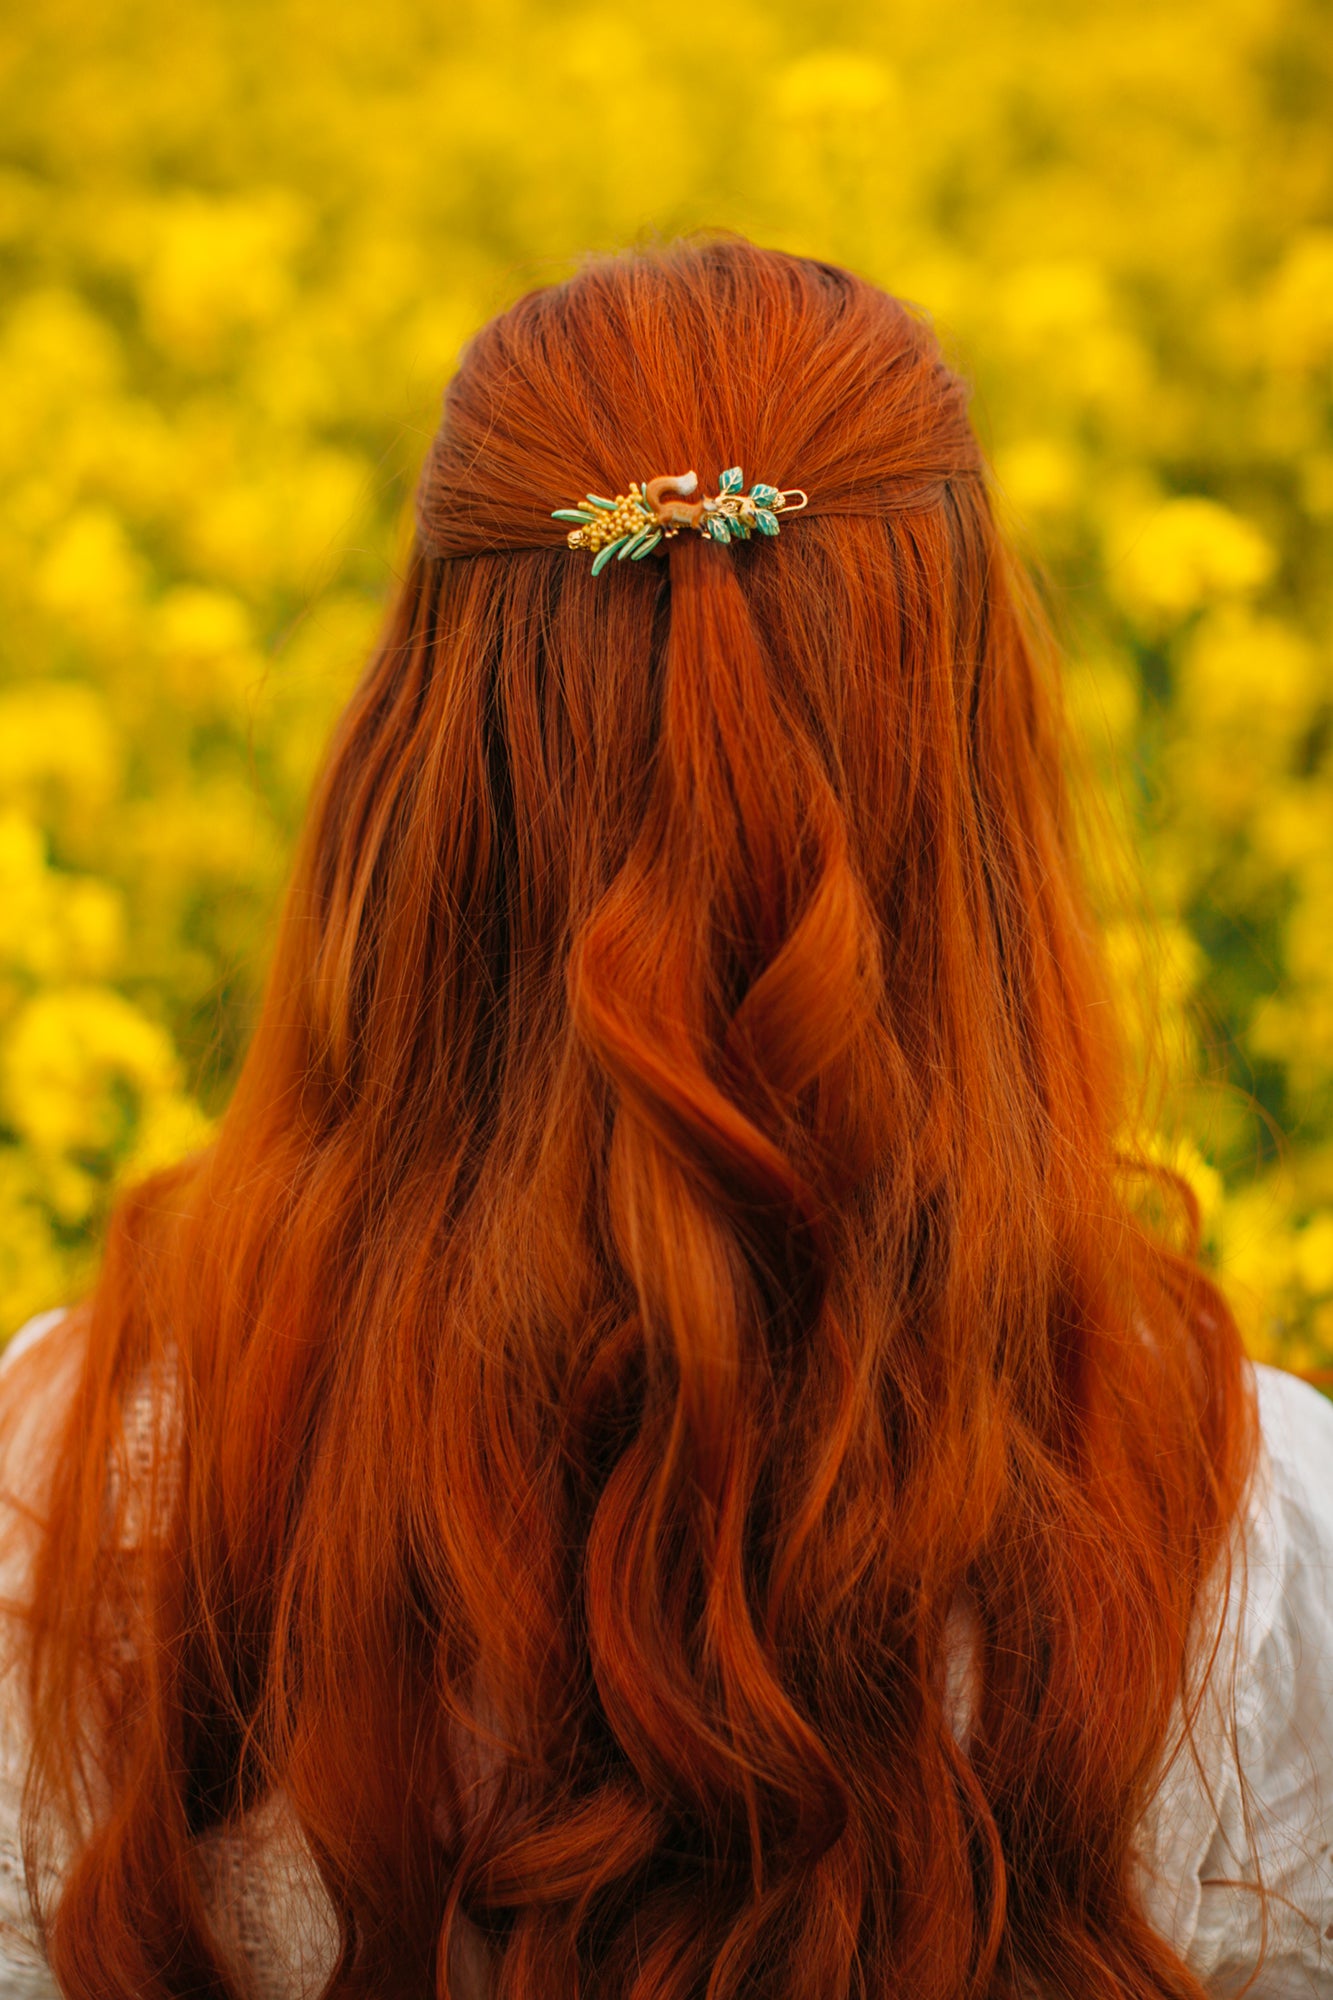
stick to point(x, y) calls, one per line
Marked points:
point(635, 522)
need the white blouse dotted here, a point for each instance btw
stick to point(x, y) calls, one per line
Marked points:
point(1202, 1847)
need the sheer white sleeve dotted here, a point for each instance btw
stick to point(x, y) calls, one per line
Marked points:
point(24, 1974)
point(261, 1888)
point(1209, 1843)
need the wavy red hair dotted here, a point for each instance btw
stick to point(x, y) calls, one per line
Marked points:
point(668, 1246)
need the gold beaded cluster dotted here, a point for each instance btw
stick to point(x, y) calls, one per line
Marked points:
point(628, 516)
point(637, 522)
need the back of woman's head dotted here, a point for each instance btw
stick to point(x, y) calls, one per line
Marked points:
point(665, 1278)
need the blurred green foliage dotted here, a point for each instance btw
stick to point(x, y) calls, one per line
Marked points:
point(241, 245)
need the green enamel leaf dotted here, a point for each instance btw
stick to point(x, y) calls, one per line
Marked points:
point(597, 500)
point(732, 480)
point(603, 556)
point(646, 544)
point(739, 530)
point(766, 523)
point(767, 496)
point(718, 529)
point(580, 514)
point(631, 543)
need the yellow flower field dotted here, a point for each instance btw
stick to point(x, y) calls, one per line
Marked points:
point(241, 247)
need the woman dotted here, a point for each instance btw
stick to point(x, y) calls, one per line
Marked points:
point(658, 1453)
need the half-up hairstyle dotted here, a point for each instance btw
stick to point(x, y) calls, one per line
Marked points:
point(667, 1269)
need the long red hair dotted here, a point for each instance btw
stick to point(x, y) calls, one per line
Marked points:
point(668, 1246)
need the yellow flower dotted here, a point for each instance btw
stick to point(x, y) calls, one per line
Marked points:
point(77, 1064)
point(1186, 553)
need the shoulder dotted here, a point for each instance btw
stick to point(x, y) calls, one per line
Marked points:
point(259, 1880)
point(1296, 1422)
point(1285, 1690)
point(1284, 1617)
point(1244, 1815)
point(39, 1368)
point(30, 1333)
point(39, 1372)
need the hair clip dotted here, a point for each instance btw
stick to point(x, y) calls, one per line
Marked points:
point(635, 522)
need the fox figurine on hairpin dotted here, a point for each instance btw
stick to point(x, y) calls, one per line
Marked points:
point(634, 523)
